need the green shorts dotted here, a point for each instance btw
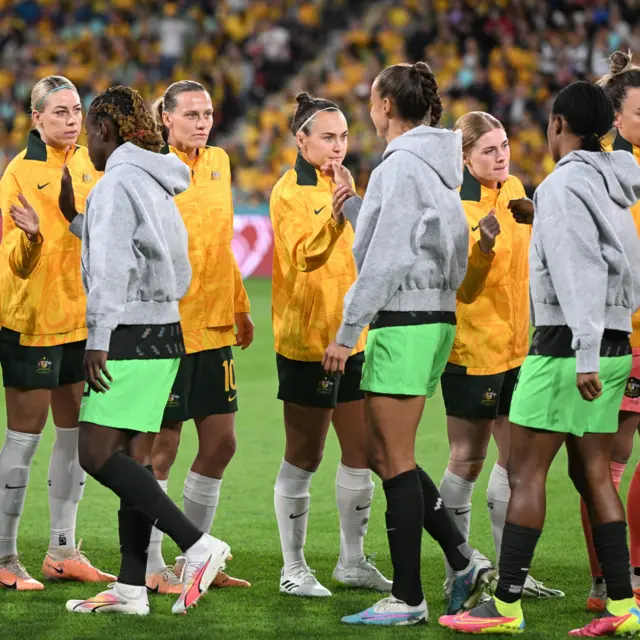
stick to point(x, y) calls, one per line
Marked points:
point(406, 359)
point(547, 398)
point(137, 397)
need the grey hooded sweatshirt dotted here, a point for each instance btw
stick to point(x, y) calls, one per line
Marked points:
point(584, 256)
point(412, 236)
point(135, 262)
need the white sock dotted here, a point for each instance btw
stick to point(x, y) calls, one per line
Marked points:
point(131, 592)
point(291, 500)
point(354, 492)
point(155, 561)
point(15, 460)
point(66, 486)
point(498, 494)
point(456, 493)
point(200, 496)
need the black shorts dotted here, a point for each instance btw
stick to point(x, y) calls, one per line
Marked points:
point(205, 386)
point(477, 397)
point(307, 384)
point(40, 367)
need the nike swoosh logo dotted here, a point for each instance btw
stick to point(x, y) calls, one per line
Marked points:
point(22, 486)
point(154, 590)
point(366, 506)
point(195, 591)
point(42, 186)
point(83, 483)
point(9, 586)
point(293, 516)
point(233, 397)
point(475, 228)
point(461, 512)
point(60, 571)
point(317, 211)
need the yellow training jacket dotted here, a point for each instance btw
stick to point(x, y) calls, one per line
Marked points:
point(493, 301)
point(313, 265)
point(216, 292)
point(620, 144)
point(44, 299)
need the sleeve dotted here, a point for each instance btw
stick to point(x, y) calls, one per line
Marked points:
point(351, 210)
point(385, 253)
point(108, 249)
point(478, 269)
point(22, 254)
point(571, 247)
point(180, 256)
point(76, 225)
point(308, 242)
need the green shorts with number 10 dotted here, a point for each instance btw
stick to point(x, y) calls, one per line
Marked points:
point(407, 352)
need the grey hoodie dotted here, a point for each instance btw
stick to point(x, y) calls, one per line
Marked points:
point(584, 255)
point(412, 237)
point(135, 262)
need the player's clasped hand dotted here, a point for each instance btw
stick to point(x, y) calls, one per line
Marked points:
point(489, 231)
point(67, 199)
point(95, 364)
point(244, 327)
point(341, 194)
point(522, 210)
point(335, 357)
point(589, 386)
point(26, 218)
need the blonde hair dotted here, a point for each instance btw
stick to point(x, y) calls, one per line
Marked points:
point(624, 75)
point(169, 101)
point(46, 86)
point(473, 126)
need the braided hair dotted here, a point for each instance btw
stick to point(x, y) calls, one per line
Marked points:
point(125, 107)
point(588, 112)
point(413, 89)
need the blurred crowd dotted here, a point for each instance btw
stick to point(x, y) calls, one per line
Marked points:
point(508, 57)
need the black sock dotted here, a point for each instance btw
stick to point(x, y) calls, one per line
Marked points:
point(439, 524)
point(404, 531)
point(132, 483)
point(610, 542)
point(516, 554)
point(135, 533)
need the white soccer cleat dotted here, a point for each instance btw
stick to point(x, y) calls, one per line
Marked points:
point(204, 560)
point(535, 589)
point(364, 575)
point(303, 583)
point(390, 612)
point(117, 598)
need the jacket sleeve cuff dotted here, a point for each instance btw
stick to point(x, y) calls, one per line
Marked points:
point(76, 225)
point(99, 339)
point(588, 360)
point(349, 334)
point(351, 209)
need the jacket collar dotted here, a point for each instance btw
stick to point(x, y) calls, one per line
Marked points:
point(39, 151)
point(620, 144)
point(307, 175)
point(472, 189)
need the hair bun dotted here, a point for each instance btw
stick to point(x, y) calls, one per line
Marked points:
point(620, 61)
point(304, 99)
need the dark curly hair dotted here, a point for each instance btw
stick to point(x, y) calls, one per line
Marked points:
point(125, 107)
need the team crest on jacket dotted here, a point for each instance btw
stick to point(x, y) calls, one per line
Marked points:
point(86, 177)
point(633, 389)
point(489, 397)
point(215, 175)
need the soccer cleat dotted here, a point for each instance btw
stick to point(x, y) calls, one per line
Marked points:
point(636, 593)
point(597, 600)
point(76, 567)
point(364, 575)
point(469, 583)
point(390, 612)
point(225, 581)
point(164, 582)
point(303, 583)
point(535, 589)
point(484, 619)
point(204, 560)
point(14, 576)
point(610, 624)
point(116, 599)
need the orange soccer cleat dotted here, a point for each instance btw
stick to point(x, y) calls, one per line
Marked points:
point(76, 567)
point(14, 576)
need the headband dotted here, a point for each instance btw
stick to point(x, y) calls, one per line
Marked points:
point(136, 134)
point(40, 102)
point(313, 115)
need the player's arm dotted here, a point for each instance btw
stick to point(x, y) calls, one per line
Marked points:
point(308, 239)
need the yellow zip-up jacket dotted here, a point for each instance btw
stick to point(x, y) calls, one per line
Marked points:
point(493, 302)
point(313, 264)
point(216, 292)
point(620, 144)
point(45, 301)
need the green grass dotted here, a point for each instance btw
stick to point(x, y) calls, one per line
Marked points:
point(245, 519)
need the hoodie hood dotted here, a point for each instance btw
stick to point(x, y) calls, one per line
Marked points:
point(167, 170)
point(441, 149)
point(619, 169)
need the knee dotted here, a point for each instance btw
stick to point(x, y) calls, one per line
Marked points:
point(466, 467)
point(621, 451)
point(219, 456)
point(165, 451)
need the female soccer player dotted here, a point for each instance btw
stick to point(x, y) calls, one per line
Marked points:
point(205, 387)
point(313, 268)
point(135, 268)
point(411, 251)
point(492, 337)
point(622, 86)
point(43, 333)
point(584, 262)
